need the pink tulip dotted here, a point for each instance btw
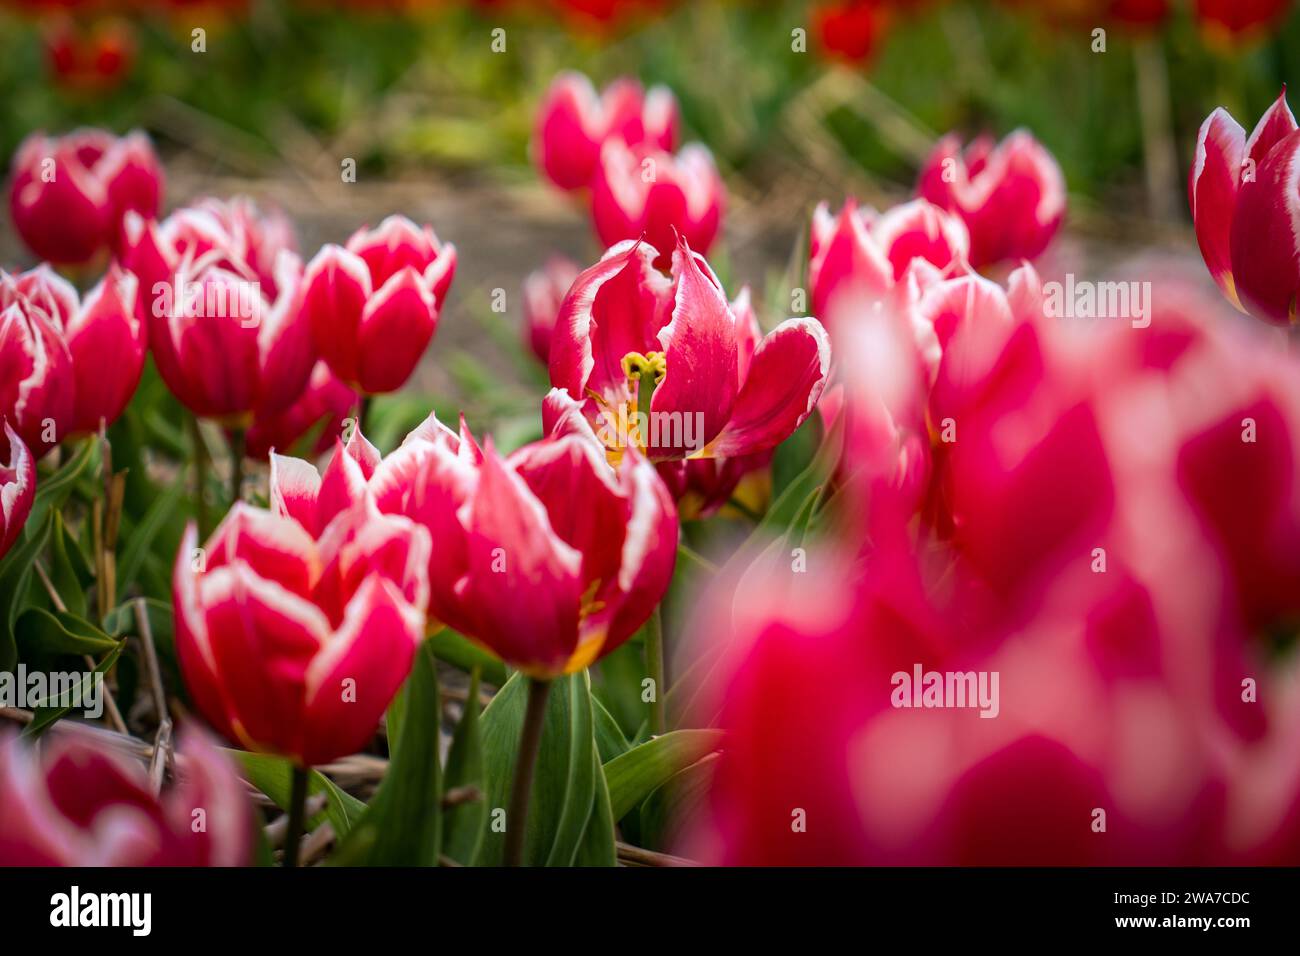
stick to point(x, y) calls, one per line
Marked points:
point(573, 123)
point(76, 802)
point(326, 403)
point(70, 196)
point(17, 490)
point(863, 254)
point(1241, 206)
point(651, 194)
point(36, 387)
point(104, 336)
point(704, 486)
point(220, 288)
point(665, 364)
point(295, 645)
point(373, 305)
point(549, 557)
point(1011, 196)
point(544, 292)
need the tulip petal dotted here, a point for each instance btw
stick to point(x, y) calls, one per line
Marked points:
point(336, 287)
point(1213, 187)
point(396, 326)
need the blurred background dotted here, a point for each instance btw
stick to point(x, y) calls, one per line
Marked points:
point(799, 101)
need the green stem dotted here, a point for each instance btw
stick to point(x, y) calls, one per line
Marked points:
point(201, 466)
point(530, 741)
point(363, 413)
point(237, 442)
point(297, 812)
point(654, 662)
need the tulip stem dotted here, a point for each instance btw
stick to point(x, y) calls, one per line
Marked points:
point(530, 741)
point(200, 477)
point(654, 662)
point(363, 412)
point(237, 443)
point(297, 814)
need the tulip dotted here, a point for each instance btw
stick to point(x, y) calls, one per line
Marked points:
point(70, 196)
point(704, 486)
point(220, 287)
point(1241, 202)
point(104, 336)
point(573, 123)
point(1011, 196)
point(36, 388)
point(75, 802)
point(851, 31)
point(664, 364)
point(650, 194)
point(295, 645)
point(373, 305)
point(544, 291)
point(327, 402)
point(95, 59)
point(549, 557)
point(861, 253)
point(17, 490)
point(1231, 21)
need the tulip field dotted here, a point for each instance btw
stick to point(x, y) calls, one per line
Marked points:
point(650, 434)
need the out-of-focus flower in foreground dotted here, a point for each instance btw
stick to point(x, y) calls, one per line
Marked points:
point(294, 645)
point(574, 122)
point(373, 304)
point(1243, 203)
point(70, 195)
point(666, 365)
point(1010, 195)
point(77, 803)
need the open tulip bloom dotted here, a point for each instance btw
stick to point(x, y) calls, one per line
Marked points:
point(662, 364)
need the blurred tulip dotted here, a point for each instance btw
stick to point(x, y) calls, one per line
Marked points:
point(104, 336)
point(70, 196)
point(653, 195)
point(75, 802)
point(704, 486)
point(373, 305)
point(220, 289)
point(327, 403)
point(851, 31)
point(1242, 205)
point(293, 645)
point(573, 123)
point(665, 365)
point(17, 490)
point(1232, 21)
point(549, 557)
point(1011, 196)
point(544, 291)
point(94, 59)
point(859, 252)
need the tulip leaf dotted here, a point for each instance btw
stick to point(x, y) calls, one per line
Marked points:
point(15, 574)
point(464, 822)
point(49, 711)
point(461, 652)
point(610, 740)
point(161, 514)
point(52, 490)
point(675, 800)
point(564, 781)
point(632, 776)
point(274, 777)
point(69, 572)
point(403, 824)
point(598, 845)
point(59, 632)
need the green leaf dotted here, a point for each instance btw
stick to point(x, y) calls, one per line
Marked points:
point(660, 815)
point(597, 848)
point(160, 515)
point(464, 823)
point(564, 781)
point(610, 741)
point(69, 572)
point(461, 652)
point(58, 632)
point(49, 711)
point(632, 776)
point(274, 777)
point(53, 490)
point(403, 825)
point(15, 573)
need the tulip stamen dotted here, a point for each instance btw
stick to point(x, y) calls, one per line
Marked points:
point(638, 368)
